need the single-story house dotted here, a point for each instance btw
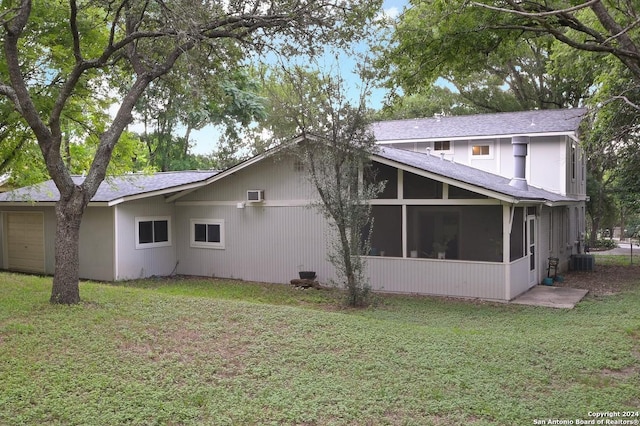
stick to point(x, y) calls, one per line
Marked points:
point(473, 207)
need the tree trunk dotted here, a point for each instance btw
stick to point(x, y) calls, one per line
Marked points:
point(595, 225)
point(66, 289)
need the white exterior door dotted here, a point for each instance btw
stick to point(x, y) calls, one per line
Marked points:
point(532, 249)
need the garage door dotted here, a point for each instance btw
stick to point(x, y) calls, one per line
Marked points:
point(25, 242)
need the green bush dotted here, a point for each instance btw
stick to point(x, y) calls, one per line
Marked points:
point(605, 244)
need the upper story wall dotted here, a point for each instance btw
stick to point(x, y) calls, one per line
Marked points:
point(281, 177)
point(554, 163)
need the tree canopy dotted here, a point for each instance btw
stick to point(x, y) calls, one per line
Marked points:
point(490, 65)
point(64, 63)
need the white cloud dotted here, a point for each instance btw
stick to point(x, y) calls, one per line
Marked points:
point(392, 12)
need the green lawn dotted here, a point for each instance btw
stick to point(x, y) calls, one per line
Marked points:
point(191, 352)
point(618, 260)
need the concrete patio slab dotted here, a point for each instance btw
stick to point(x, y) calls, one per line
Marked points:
point(551, 297)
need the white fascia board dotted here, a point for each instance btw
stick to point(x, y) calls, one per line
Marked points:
point(570, 134)
point(562, 203)
point(437, 202)
point(172, 190)
point(444, 179)
point(28, 204)
point(266, 203)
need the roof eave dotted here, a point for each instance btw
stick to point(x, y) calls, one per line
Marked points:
point(572, 134)
point(450, 181)
point(150, 194)
point(30, 203)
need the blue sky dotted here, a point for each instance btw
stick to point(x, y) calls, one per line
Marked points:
point(205, 139)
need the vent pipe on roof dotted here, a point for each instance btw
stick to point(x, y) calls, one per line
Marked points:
point(519, 180)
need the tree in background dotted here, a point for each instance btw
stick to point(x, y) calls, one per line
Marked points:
point(56, 56)
point(173, 107)
point(529, 55)
point(335, 148)
point(488, 68)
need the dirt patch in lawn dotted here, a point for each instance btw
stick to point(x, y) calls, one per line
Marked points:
point(605, 280)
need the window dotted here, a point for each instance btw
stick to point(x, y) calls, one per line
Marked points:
point(480, 150)
point(442, 146)
point(378, 172)
point(207, 233)
point(153, 232)
point(416, 187)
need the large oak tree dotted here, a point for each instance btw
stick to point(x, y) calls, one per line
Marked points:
point(54, 53)
point(492, 64)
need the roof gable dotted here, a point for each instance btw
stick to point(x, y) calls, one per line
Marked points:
point(114, 190)
point(465, 175)
point(551, 121)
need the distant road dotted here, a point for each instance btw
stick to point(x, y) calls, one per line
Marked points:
point(623, 248)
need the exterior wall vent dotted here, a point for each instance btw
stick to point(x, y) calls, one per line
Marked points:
point(255, 195)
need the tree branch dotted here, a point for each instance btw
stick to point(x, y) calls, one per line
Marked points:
point(73, 23)
point(519, 10)
point(11, 94)
point(626, 50)
point(18, 90)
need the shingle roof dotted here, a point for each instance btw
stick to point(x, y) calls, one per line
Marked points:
point(468, 175)
point(481, 125)
point(113, 188)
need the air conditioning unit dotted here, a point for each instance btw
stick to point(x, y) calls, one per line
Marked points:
point(255, 195)
point(582, 262)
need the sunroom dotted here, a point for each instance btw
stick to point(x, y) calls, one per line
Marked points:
point(446, 229)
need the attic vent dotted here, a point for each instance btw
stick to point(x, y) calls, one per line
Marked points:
point(255, 195)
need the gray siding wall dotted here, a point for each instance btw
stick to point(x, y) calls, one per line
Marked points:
point(267, 244)
point(547, 164)
point(518, 278)
point(276, 175)
point(545, 242)
point(564, 230)
point(96, 241)
point(97, 244)
point(438, 277)
point(135, 263)
point(576, 179)
point(558, 230)
point(269, 241)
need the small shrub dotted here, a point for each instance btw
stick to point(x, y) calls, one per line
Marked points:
point(604, 244)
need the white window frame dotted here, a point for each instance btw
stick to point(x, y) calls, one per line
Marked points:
point(204, 244)
point(141, 246)
point(488, 143)
point(438, 151)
